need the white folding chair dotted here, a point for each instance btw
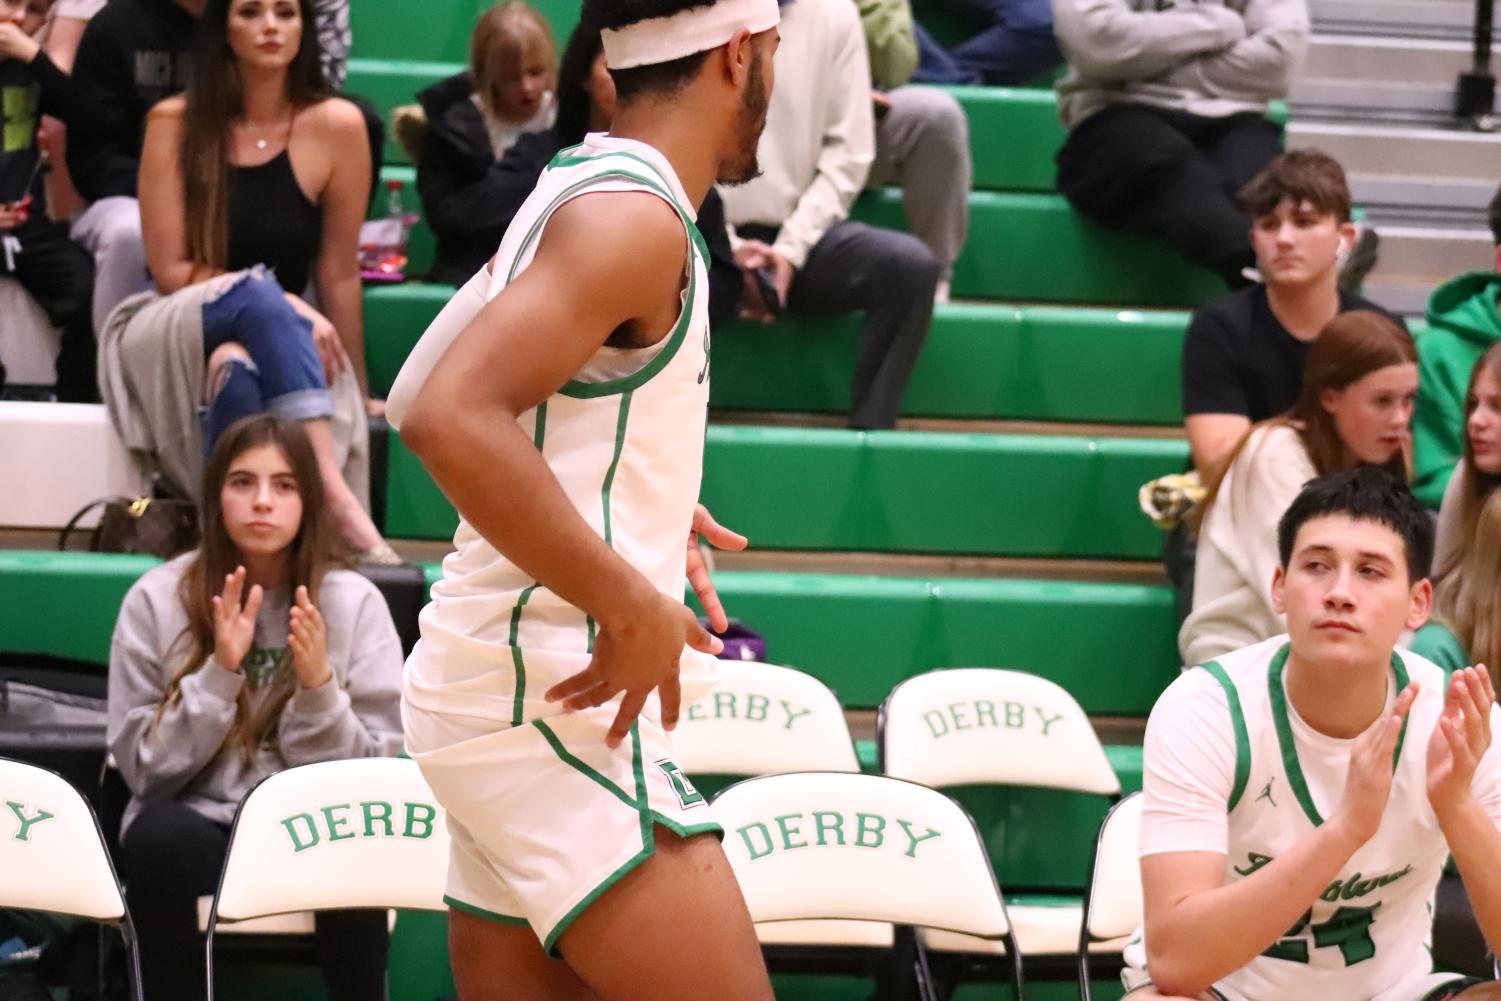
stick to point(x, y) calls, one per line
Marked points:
point(1112, 898)
point(53, 855)
point(848, 850)
point(339, 834)
point(762, 719)
point(992, 727)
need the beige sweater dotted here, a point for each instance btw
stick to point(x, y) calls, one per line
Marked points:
point(820, 136)
point(1237, 552)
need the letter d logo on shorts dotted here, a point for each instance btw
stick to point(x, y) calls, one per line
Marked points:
point(687, 795)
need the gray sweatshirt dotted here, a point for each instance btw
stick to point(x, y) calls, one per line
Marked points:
point(1208, 57)
point(356, 714)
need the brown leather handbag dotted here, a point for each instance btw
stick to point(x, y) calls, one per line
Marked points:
point(152, 526)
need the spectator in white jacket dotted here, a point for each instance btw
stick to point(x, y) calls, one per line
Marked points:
point(791, 227)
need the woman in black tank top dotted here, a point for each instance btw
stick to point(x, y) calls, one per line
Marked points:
point(253, 184)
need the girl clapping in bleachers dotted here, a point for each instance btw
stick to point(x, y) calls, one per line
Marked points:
point(253, 653)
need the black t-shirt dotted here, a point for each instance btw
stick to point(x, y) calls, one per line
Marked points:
point(19, 154)
point(1238, 359)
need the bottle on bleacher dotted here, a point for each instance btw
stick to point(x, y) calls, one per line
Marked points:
point(1466, 624)
point(1354, 409)
point(253, 186)
point(1166, 107)
point(466, 127)
point(35, 250)
point(253, 653)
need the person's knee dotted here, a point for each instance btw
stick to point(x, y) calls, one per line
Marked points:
point(909, 266)
point(219, 360)
point(938, 110)
point(118, 228)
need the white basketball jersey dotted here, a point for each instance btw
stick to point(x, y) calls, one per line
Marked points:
point(624, 438)
point(1370, 929)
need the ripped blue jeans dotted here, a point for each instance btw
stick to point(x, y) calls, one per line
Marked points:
point(283, 375)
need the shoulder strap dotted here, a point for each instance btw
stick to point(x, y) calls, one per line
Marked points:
point(1242, 735)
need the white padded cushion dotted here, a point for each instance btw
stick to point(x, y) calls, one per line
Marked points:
point(985, 726)
point(864, 847)
point(361, 833)
point(762, 719)
point(1115, 905)
point(874, 934)
point(52, 857)
point(35, 437)
point(1040, 931)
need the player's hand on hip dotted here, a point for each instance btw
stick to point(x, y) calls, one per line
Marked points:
point(1368, 782)
point(635, 656)
point(712, 532)
point(1460, 738)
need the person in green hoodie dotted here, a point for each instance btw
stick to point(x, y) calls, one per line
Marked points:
point(1463, 320)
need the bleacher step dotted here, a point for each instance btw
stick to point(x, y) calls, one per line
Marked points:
point(1440, 19)
point(982, 361)
point(903, 491)
point(1109, 644)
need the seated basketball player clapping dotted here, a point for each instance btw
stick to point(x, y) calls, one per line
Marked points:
point(253, 183)
point(1303, 794)
point(251, 654)
point(1354, 409)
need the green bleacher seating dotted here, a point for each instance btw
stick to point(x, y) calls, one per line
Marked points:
point(982, 360)
point(1109, 644)
point(438, 32)
point(1022, 246)
point(897, 492)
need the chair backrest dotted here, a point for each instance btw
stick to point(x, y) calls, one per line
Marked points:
point(360, 833)
point(762, 719)
point(1112, 907)
point(978, 726)
point(51, 852)
point(858, 847)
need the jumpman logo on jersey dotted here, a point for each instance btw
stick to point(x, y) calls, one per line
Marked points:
point(1266, 794)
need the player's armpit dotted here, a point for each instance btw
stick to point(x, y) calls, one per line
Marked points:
point(605, 260)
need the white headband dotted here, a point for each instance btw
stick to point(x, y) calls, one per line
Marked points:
point(698, 29)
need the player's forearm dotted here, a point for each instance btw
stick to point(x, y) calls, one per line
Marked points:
point(493, 474)
point(1207, 935)
point(1475, 842)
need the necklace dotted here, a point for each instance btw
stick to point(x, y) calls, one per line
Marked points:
point(264, 141)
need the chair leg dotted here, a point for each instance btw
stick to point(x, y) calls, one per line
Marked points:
point(1086, 989)
point(132, 959)
point(208, 956)
point(1014, 951)
point(927, 988)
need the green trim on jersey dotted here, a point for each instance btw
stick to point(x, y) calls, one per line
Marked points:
point(1284, 728)
point(591, 390)
point(518, 700)
point(480, 912)
point(582, 766)
point(642, 805)
point(604, 492)
point(688, 830)
point(564, 159)
point(1242, 735)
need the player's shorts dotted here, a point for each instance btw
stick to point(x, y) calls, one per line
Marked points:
point(1423, 987)
point(545, 817)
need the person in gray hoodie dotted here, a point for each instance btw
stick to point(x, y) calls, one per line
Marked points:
point(1166, 105)
point(250, 654)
